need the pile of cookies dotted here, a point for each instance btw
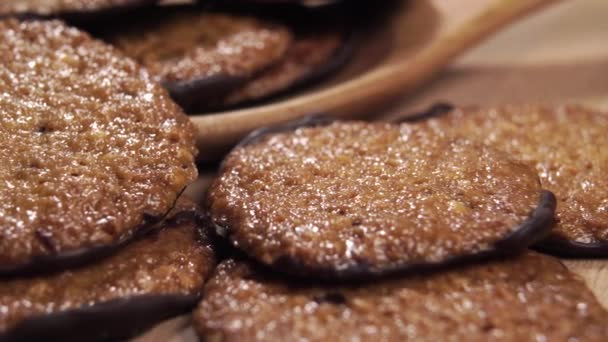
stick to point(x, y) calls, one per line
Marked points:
point(94, 157)
point(566, 147)
point(220, 58)
point(420, 230)
point(96, 154)
point(314, 230)
point(212, 55)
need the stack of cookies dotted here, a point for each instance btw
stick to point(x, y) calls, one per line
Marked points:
point(212, 55)
point(220, 57)
point(352, 231)
point(96, 153)
point(315, 230)
point(94, 158)
point(567, 148)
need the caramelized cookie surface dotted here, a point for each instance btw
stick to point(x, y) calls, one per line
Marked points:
point(92, 150)
point(192, 52)
point(310, 56)
point(355, 198)
point(530, 296)
point(156, 277)
point(568, 146)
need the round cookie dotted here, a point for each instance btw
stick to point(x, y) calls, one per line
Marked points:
point(200, 56)
point(310, 57)
point(92, 150)
point(65, 8)
point(151, 279)
point(353, 199)
point(568, 146)
point(531, 295)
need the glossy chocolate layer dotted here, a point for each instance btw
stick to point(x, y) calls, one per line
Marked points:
point(91, 149)
point(311, 57)
point(352, 199)
point(567, 146)
point(530, 296)
point(154, 278)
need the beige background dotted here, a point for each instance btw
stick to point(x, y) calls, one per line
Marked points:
point(558, 55)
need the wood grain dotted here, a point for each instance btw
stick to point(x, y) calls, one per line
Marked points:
point(595, 275)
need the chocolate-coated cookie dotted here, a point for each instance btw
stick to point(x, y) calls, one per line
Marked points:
point(568, 147)
point(92, 150)
point(530, 297)
point(151, 279)
point(201, 56)
point(353, 199)
point(310, 57)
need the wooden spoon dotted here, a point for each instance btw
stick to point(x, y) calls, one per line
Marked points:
point(421, 38)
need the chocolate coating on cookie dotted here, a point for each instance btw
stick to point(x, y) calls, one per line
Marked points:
point(194, 53)
point(152, 279)
point(568, 146)
point(531, 295)
point(92, 150)
point(310, 57)
point(352, 199)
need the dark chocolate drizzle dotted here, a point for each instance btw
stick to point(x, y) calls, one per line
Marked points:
point(342, 55)
point(108, 321)
point(56, 262)
point(194, 95)
point(560, 246)
point(116, 319)
point(537, 226)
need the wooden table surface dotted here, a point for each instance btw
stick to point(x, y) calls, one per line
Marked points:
point(557, 56)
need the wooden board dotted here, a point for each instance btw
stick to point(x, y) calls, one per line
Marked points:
point(556, 56)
